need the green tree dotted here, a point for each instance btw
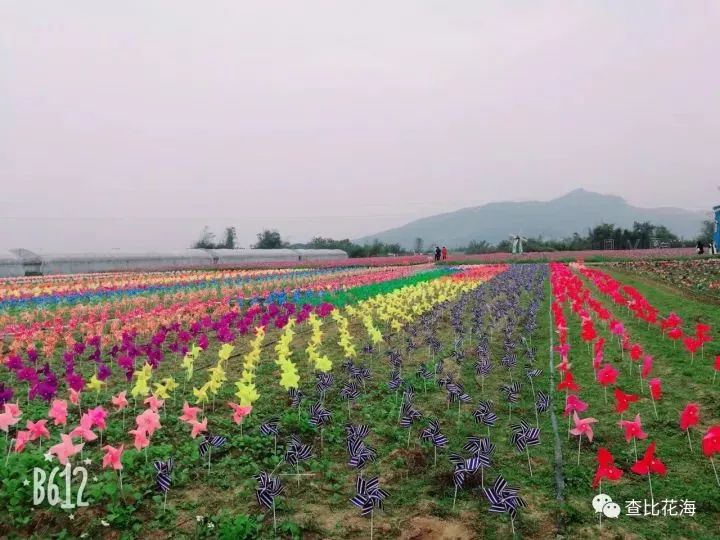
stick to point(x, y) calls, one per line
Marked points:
point(230, 238)
point(707, 230)
point(270, 239)
point(206, 240)
point(418, 245)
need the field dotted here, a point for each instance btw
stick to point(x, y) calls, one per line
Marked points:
point(384, 400)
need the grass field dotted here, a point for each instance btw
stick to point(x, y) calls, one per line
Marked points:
point(219, 501)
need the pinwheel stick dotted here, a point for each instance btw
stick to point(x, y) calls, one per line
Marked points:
point(455, 497)
point(165, 501)
point(717, 478)
point(689, 440)
point(652, 497)
point(9, 446)
point(579, 442)
point(371, 523)
point(635, 448)
point(274, 518)
point(654, 406)
point(527, 451)
point(408, 441)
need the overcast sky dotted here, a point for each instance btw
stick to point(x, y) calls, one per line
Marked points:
point(131, 124)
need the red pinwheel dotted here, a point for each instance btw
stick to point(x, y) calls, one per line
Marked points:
point(568, 383)
point(623, 400)
point(692, 345)
point(636, 351)
point(716, 367)
point(711, 446)
point(689, 417)
point(606, 376)
point(649, 464)
point(606, 468)
point(633, 431)
point(675, 334)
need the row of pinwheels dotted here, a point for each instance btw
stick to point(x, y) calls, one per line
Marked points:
point(569, 290)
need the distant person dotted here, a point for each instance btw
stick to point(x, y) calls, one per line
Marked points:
point(444, 253)
point(700, 248)
point(437, 253)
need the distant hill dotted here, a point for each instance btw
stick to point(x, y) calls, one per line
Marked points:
point(559, 218)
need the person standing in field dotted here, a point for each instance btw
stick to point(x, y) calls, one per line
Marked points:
point(437, 253)
point(444, 253)
point(700, 248)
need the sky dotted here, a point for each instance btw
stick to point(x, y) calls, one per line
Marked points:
point(131, 125)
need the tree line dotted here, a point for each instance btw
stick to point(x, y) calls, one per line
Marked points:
point(642, 235)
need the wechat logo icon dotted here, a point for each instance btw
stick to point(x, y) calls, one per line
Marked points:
point(604, 505)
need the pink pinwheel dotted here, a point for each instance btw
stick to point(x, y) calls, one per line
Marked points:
point(646, 366)
point(37, 429)
point(633, 429)
point(21, 439)
point(74, 396)
point(13, 409)
point(58, 412)
point(241, 411)
point(98, 416)
point(583, 426)
point(7, 420)
point(617, 328)
point(113, 457)
point(65, 449)
point(141, 438)
point(189, 414)
point(149, 421)
point(120, 401)
point(574, 404)
point(154, 403)
point(84, 430)
point(564, 365)
point(198, 427)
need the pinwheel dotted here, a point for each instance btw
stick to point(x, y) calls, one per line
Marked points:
point(408, 416)
point(481, 447)
point(349, 392)
point(485, 415)
point(692, 345)
point(512, 394)
point(716, 367)
point(21, 439)
point(359, 452)
point(649, 464)
point(532, 373)
point(369, 496)
point(583, 426)
point(504, 498)
point(523, 436)
point(271, 428)
point(432, 435)
point(542, 404)
point(189, 414)
point(297, 452)
point(483, 367)
point(163, 477)
point(463, 468)
point(568, 383)
point(689, 418)
point(623, 401)
point(425, 375)
point(239, 413)
point(323, 383)
point(268, 488)
point(319, 417)
point(208, 443)
point(606, 468)
point(113, 460)
point(633, 430)
point(65, 449)
point(606, 376)
point(84, 430)
point(711, 446)
point(456, 392)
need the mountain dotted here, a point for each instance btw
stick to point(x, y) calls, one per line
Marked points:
point(559, 218)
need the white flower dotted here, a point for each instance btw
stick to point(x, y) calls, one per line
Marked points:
point(199, 518)
point(104, 523)
point(211, 525)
